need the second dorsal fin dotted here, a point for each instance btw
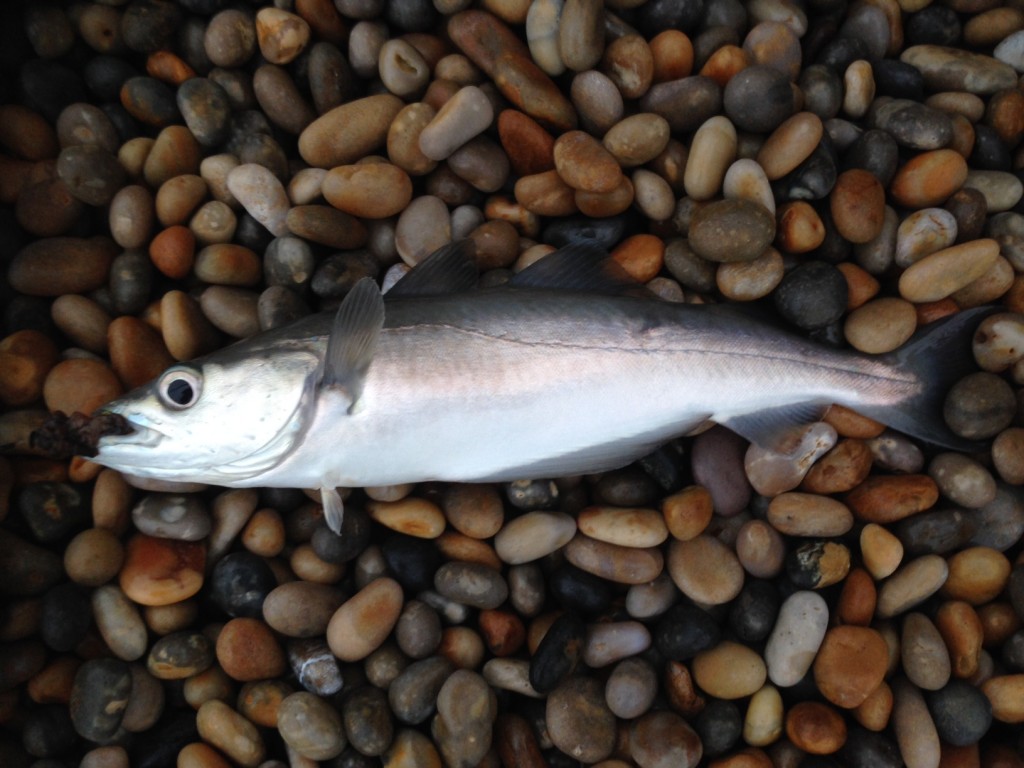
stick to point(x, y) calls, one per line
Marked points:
point(582, 267)
point(449, 269)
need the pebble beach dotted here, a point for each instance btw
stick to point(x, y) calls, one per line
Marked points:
point(176, 175)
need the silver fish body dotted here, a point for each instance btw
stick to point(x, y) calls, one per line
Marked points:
point(503, 384)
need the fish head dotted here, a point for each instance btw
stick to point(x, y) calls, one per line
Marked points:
point(221, 420)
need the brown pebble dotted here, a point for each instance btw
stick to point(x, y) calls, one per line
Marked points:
point(963, 634)
point(976, 575)
point(55, 266)
point(912, 584)
point(928, 179)
point(365, 620)
point(624, 565)
point(26, 357)
point(173, 251)
point(81, 385)
point(349, 132)
point(857, 203)
point(137, 351)
point(281, 35)
point(880, 550)
point(584, 164)
point(93, 557)
point(730, 670)
point(247, 650)
point(228, 264)
point(888, 498)
point(816, 728)
point(705, 570)
point(162, 571)
point(1006, 695)
point(640, 256)
point(851, 663)
point(368, 190)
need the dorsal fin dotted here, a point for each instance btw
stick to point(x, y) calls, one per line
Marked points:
point(583, 267)
point(353, 340)
point(449, 269)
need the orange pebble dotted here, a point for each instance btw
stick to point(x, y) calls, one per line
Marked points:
point(173, 251)
point(641, 256)
point(166, 66)
point(724, 63)
point(673, 55)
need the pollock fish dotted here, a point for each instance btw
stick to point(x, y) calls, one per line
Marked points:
point(564, 370)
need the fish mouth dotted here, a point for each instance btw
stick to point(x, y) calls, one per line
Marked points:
point(140, 437)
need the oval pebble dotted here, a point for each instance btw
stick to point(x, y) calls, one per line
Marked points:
point(796, 638)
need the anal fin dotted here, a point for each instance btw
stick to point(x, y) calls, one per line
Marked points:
point(334, 508)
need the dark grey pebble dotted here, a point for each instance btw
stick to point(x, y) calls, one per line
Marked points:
point(823, 91)
point(149, 25)
point(526, 591)
point(558, 653)
point(99, 696)
point(180, 654)
point(331, 79)
point(813, 179)
point(692, 271)
point(240, 582)
point(278, 306)
point(719, 726)
point(66, 616)
point(812, 295)
point(752, 614)
point(934, 25)
point(288, 261)
point(989, 152)
point(251, 233)
point(206, 109)
point(935, 531)
point(369, 726)
point(813, 564)
point(532, 494)
point(1015, 590)
point(1013, 652)
point(341, 548)
point(52, 511)
point(338, 274)
point(27, 569)
point(912, 124)
point(150, 101)
point(411, 15)
point(579, 590)
point(418, 631)
point(131, 281)
point(962, 713)
point(472, 584)
point(659, 15)
point(412, 561)
point(869, 25)
point(980, 406)
point(413, 694)
point(104, 75)
point(875, 151)
point(159, 746)
point(869, 749)
point(840, 52)
point(898, 79)
point(47, 732)
point(629, 487)
point(686, 103)
point(710, 40)
point(49, 86)
point(758, 99)
point(314, 666)
point(684, 631)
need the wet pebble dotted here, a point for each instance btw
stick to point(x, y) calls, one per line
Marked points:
point(578, 720)
point(99, 697)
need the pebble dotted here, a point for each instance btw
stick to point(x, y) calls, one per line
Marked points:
point(311, 726)
point(413, 694)
point(180, 655)
point(914, 728)
point(579, 722)
point(911, 585)
point(705, 570)
point(631, 688)
point(232, 734)
point(465, 714)
point(857, 204)
point(301, 609)
point(796, 638)
point(977, 575)
point(881, 325)
point(951, 69)
point(928, 179)
point(348, 132)
point(924, 655)
point(816, 728)
point(851, 663)
point(961, 712)
point(979, 406)
point(369, 727)
point(119, 623)
point(161, 571)
point(712, 151)
point(247, 650)
point(363, 622)
point(664, 738)
point(790, 144)
point(731, 231)
point(728, 671)
point(99, 696)
point(800, 514)
point(622, 526)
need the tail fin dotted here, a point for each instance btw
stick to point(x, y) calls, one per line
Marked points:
point(939, 355)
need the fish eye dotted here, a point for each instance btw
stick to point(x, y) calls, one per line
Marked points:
point(179, 388)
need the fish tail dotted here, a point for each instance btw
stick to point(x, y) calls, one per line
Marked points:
point(938, 356)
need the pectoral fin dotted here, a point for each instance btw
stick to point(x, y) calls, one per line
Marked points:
point(334, 508)
point(353, 340)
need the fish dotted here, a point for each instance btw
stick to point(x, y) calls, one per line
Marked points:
point(567, 369)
